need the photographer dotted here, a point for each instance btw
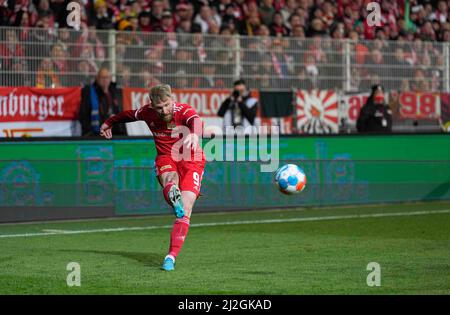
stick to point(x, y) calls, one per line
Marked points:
point(239, 109)
point(375, 115)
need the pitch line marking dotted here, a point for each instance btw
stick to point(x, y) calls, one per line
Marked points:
point(142, 228)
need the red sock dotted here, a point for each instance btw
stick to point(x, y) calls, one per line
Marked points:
point(178, 235)
point(166, 192)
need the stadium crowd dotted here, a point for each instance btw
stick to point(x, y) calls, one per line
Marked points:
point(285, 45)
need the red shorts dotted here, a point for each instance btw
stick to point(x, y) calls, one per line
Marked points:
point(190, 173)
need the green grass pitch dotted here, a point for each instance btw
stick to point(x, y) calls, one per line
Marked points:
point(295, 251)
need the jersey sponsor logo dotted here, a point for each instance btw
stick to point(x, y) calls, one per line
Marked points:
point(165, 167)
point(160, 134)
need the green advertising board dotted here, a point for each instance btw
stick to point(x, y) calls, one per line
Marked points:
point(119, 173)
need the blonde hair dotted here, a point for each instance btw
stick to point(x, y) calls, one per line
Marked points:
point(159, 93)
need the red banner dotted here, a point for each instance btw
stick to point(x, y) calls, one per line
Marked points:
point(417, 105)
point(205, 101)
point(26, 104)
point(317, 111)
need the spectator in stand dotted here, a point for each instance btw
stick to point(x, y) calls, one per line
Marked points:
point(319, 15)
point(102, 16)
point(432, 71)
point(420, 83)
point(144, 21)
point(19, 75)
point(294, 21)
point(400, 70)
point(228, 16)
point(221, 6)
point(184, 27)
point(10, 49)
point(208, 77)
point(124, 77)
point(43, 9)
point(46, 76)
point(146, 79)
point(316, 28)
point(157, 9)
point(375, 64)
point(144, 5)
point(180, 80)
point(24, 22)
point(198, 47)
point(248, 9)
point(182, 61)
point(204, 17)
point(183, 12)
point(225, 67)
point(281, 64)
point(64, 38)
point(328, 13)
point(250, 25)
point(266, 11)
point(89, 47)
point(296, 48)
point(277, 27)
point(167, 25)
point(427, 32)
point(264, 40)
point(124, 11)
point(441, 13)
point(99, 101)
point(60, 63)
point(288, 9)
point(84, 74)
point(251, 62)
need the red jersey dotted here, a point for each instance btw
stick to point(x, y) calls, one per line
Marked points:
point(183, 115)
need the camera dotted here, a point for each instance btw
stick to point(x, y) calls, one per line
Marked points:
point(236, 94)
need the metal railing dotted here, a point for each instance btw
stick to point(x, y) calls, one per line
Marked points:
point(64, 57)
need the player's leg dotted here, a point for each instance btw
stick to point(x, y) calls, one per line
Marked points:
point(189, 199)
point(190, 182)
point(166, 170)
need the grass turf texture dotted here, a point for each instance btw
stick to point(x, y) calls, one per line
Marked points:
point(310, 257)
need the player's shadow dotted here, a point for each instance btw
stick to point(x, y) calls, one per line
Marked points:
point(146, 259)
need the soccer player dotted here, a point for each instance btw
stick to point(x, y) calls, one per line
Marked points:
point(180, 161)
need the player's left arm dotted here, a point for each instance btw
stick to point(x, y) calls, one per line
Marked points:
point(122, 117)
point(195, 124)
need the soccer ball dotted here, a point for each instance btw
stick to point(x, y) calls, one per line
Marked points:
point(290, 179)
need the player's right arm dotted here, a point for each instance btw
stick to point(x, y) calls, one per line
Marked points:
point(123, 117)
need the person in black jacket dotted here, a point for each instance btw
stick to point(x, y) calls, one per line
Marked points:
point(99, 101)
point(375, 116)
point(239, 109)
